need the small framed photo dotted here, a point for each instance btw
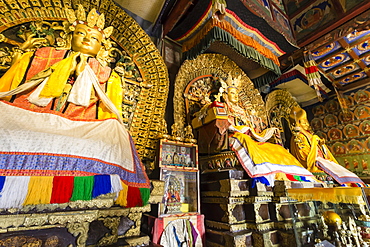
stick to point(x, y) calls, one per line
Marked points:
point(178, 155)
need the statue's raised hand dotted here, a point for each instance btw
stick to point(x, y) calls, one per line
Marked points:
point(32, 42)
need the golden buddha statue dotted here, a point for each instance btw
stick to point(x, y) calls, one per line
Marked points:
point(312, 152)
point(235, 112)
point(48, 78)
point(262, 160)
point(241, 118)
point(300, 144)
point(60, 108)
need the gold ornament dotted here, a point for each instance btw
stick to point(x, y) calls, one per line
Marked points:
point(162, 130)
point(331, 218)
point(188, 135)
point(176, 132)
point(70, 15)
point(233, 82)
point(81, 14)
point(93, 19)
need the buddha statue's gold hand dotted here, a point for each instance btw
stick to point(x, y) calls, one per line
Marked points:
point(81, 65)
point(32, 42)
point(80, 61)
point(29, 44)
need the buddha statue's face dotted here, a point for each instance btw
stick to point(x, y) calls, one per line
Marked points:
point(303, 122)
point(86, 40)
point(232, 95)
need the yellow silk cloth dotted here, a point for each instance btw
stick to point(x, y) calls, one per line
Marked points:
point(13, 77)
point(55, 85)
point(122, 196)
point(334, 195)
point(58, 75)
point(58, 79)
point(312, 156)
point(306, 148)
point(261, 152)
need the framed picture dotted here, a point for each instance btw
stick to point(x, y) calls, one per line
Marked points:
point(178, 165)
point(178, 155)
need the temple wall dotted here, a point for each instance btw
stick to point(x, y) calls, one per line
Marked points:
point(347, 135)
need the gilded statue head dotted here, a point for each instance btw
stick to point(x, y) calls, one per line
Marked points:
point(230, 87)
point(232, 95)
point(89, 34)
point(86, 40)
point(298, 118)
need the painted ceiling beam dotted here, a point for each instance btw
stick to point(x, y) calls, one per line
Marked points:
point(175, 15)
point(338, 23)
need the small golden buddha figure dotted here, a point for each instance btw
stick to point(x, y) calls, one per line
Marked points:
point(176, 132)
point(312, 152)
point(300, 145)
point(188, 135)
point(163, 132)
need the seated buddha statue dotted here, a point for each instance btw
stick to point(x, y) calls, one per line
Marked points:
point(68, 81)
point(312, 152)
point(263, 161)
point(61, 117)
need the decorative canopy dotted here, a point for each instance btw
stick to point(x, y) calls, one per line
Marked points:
point(295, 81)
point(240, 35)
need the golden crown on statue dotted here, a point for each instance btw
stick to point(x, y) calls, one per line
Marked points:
point(94, 20)
point(233, 82)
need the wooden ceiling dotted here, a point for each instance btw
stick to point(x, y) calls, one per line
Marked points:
point(341, 52)
point(335, 31)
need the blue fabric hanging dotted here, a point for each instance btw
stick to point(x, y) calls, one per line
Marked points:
point(102, 185)
point(2, 182)
point(261, 180)
point(304, 179)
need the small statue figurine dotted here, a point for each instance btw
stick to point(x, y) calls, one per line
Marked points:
point(176, 133)
point(312, 152)
point(162, 131)
point(189, 137)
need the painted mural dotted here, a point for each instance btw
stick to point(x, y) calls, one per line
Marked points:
point(346, 134)
point(292, 6)
point(317, 14)
point(262, 7)
point(284, 26)
point(349, 4)
point(280, 5)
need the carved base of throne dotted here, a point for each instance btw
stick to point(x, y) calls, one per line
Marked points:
point(228, 239)
point(84, 227)
point(223, 161)
point(97, 222)
point(213, 137)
